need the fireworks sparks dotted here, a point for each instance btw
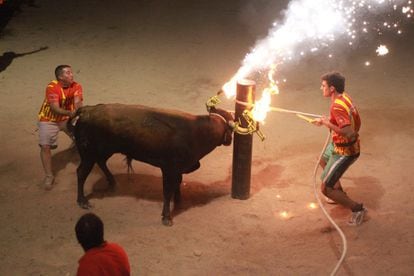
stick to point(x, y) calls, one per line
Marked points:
point(382, 50)
point(309, 27)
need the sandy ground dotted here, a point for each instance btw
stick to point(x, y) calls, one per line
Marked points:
point(176, 55)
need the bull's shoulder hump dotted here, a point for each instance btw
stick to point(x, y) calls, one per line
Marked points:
point(126, 108)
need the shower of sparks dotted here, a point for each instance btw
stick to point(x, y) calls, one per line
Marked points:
point(382, 50)
point(312, 25)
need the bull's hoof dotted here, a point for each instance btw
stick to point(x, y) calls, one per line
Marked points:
point(167, 221)
point(85, 204)
point(111, 188)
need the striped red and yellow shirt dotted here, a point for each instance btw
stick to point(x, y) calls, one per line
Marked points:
point(65, 97)
point(343, 113)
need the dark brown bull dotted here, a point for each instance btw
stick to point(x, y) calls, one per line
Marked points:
point(172, 140)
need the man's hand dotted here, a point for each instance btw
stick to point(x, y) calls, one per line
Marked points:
point(317, 121)
point(322, 121)
point(72, 114)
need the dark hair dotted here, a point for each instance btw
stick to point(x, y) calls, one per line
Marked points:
point(89, 231)
point(336, 80)
point(59, 70)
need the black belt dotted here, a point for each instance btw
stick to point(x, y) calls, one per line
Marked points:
point(346, 144)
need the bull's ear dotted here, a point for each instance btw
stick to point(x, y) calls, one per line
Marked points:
point(228, 137)
point(212, 109)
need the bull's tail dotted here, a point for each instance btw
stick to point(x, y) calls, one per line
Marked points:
point(129, 164)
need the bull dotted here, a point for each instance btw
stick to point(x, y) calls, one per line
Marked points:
point(171, 140)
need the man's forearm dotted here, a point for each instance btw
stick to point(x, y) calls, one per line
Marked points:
point(56, 109)
point(345, 131)
point(78, 105)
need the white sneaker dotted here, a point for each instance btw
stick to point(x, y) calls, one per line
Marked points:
point(48, 182)
point(358, 217)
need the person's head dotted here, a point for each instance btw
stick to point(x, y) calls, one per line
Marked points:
point(64, 74)
point(332, 82)
point(89, 231)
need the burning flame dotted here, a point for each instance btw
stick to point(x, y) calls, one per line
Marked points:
point(308, 28)
point(262, 106)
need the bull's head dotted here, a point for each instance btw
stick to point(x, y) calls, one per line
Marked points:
point(229, 121)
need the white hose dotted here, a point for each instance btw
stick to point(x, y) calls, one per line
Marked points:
point(344, 242)
point(272, 108)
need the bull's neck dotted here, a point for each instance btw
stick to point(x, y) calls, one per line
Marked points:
point(211, 134)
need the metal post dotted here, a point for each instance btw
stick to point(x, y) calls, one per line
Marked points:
point(242, 145)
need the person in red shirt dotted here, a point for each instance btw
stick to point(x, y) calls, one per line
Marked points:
point(344, 123)
point(63, 97)
point(101, 258)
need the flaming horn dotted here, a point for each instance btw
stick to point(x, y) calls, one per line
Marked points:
point(251, 125)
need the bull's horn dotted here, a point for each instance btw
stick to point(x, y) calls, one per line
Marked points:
point(245, 131)
point(74, 120)
point(232, 125)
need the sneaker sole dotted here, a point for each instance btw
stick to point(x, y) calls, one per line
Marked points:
point(360, 219)
point(48, 185)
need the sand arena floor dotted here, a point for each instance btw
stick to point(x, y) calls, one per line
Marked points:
point(176, 55)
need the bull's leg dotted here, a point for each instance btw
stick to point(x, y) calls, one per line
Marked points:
point(177, 192)
point(83, 171)
point(109, 177)
point(170, 180)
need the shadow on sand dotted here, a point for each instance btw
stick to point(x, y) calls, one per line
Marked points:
point(366, 189)
point(62, 158)
point(149, 187)
point(11, 7)
point(7, 57)
point(193, 193)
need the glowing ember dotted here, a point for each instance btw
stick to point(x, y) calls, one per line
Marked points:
point(405, 9)
point(284, 214)
point(367, 63)
point(382, 50)
point(312, 205)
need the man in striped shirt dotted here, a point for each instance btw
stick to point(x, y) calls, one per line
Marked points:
point(63, 96)
point(344, 123)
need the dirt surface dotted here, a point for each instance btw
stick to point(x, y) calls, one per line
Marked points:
point(171, 54)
